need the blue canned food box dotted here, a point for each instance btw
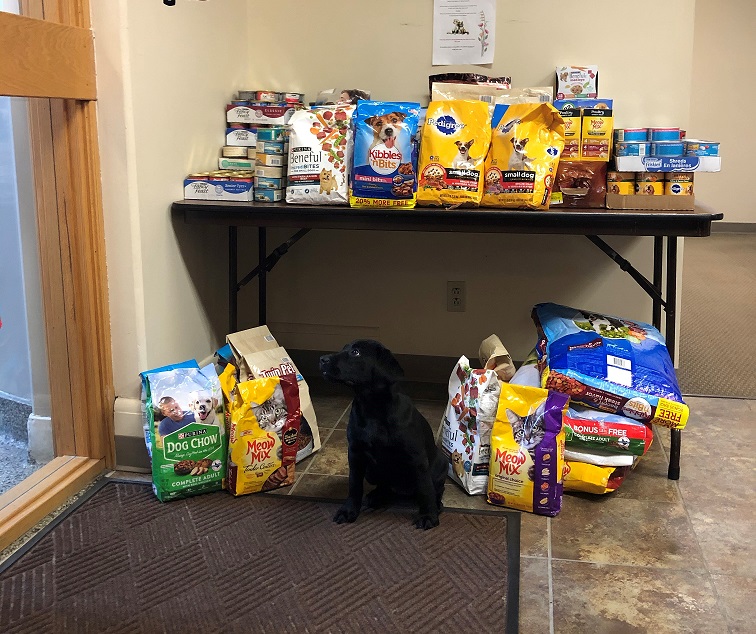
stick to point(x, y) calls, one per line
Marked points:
point(270, 147)
point(265, 182)
point(668, 148)
point(633, 148)
point(268, 195)
point(383, 172)
point(631, 134)
point(694, 147)
point(664, 134)
point(271, 134)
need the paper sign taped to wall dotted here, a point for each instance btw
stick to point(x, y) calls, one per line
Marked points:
point(464, 32)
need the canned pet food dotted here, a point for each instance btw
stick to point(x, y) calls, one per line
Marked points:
point(268, 195)
point(645, 188)
point(271, 134)
point(271, 160)
point(251, 153)
point(293, 97)
point(267, 96)
point(632, 134)
point(246, 95)
point(239, 102)
point(620, 177)
point(664, 134)
point(270, 147)
point(234, 151)
point(269, 172)
point(236, 125)
point(668, 148)
point(649, 177)
point(633, 148)
point(623, 188)
point(679, 184)
point(694, 147)
point(241, 137)
point(263, 182)
point(235, 164)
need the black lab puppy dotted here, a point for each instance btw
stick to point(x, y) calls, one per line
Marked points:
point(391, 445)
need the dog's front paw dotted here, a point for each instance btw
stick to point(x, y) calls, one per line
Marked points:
point(426, 521)
point(347, 513)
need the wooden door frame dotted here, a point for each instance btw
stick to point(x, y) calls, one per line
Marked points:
point(52, 47)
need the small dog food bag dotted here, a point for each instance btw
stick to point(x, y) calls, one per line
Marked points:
point(527, 450)
point(319, 156)
point(466, 430)
point(527, 142)
point(184, 430)
point(383, 171)
point(589, 478)
point(263, 432)
point(593, 431)
point(455, 140)
point(610, 364)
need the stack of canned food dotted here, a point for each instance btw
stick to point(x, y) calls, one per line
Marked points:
point(662, 142)
point(272, 152)
point(649, 183)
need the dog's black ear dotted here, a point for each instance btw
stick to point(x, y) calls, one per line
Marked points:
point(388, 366)
point(458, 143)
point(472, 141)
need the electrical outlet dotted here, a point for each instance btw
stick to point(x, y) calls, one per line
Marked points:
point(456, 297)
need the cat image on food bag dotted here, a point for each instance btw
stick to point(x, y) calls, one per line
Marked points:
point(527, 430)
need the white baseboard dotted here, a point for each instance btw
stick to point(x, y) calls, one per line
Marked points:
point(128, 417)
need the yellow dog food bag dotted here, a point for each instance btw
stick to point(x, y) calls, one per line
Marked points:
point(453, 147)
point(263, 421)
point(527, 142)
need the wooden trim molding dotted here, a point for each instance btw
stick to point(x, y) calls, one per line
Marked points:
point(29, 502)
point(49, 59)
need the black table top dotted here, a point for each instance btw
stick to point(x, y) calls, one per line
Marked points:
point(481, 220)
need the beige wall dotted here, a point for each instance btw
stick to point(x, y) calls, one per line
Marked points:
point(164, 76)
point(723, 91)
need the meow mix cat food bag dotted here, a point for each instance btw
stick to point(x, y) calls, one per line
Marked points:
point(455, 140)
point(320, 155)
point(527, 142)
point(263, 431)
point(383, 172)
point(184, 430)
point(466, 431)
point(527, 450)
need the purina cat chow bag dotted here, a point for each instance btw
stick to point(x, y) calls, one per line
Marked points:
point(455, 140)
point(526, 467)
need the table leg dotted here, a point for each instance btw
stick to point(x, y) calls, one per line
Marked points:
point(262, 246)
point(233, 290)
point(674, 456)
point(658, 264)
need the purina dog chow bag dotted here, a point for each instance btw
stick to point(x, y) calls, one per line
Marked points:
point(184, 430)
point(527, 142)
point(455, 140)
point(527, 450)
point(319, 156)
point(610, 364)
point(466, 431)
point(263, 431)
point(383, 172)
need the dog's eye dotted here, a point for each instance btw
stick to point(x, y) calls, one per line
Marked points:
point(354, 352)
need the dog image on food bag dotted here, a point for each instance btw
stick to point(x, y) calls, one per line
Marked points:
point(204, 407)
point(391, 444)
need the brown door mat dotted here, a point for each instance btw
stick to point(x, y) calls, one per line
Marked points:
point(120, 561)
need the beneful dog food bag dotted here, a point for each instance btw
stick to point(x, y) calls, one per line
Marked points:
point(184, 430)
point(383, 172)
point(455, 140)
point(258, 355)
point(466, 431)
point(263, 432)
point(610, 364)
point(521, 167)
point(527, 450)
point(319, 156)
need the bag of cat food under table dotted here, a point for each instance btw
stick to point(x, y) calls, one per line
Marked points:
point(263, 431)
point(589, 478)
point(527, 450)
point(525, 148)
point(184, 429)
point(466, 430)
point(610, 364)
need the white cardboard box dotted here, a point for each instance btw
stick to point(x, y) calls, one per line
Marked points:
point(218, 190)
point(668, 164)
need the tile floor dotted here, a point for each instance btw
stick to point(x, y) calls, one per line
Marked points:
point(656, 556)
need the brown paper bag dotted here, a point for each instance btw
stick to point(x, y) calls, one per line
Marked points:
point(494, 356)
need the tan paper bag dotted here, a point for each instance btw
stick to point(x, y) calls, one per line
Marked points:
point(494, 356)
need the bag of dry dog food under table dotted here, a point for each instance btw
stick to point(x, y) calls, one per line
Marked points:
point(521, 167)
point(184, 430)
point(383, 169)
point(263, 431)
point(589, 478)
point(455, 140)
point(527, 450)
point(319, 156)
point(466, 429)
point(610, 364)
point(258, 355)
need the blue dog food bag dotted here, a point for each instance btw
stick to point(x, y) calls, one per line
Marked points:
point(384, 166)
point(610, 364)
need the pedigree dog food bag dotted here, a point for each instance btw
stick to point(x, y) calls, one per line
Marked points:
point(455, 140)
point(527, 142)
point(383, 172)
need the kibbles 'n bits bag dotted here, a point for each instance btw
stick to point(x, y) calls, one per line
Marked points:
point(527, 142)
point(383, 169)
point(527, 450)
point(263, 431)
point(455, 140)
